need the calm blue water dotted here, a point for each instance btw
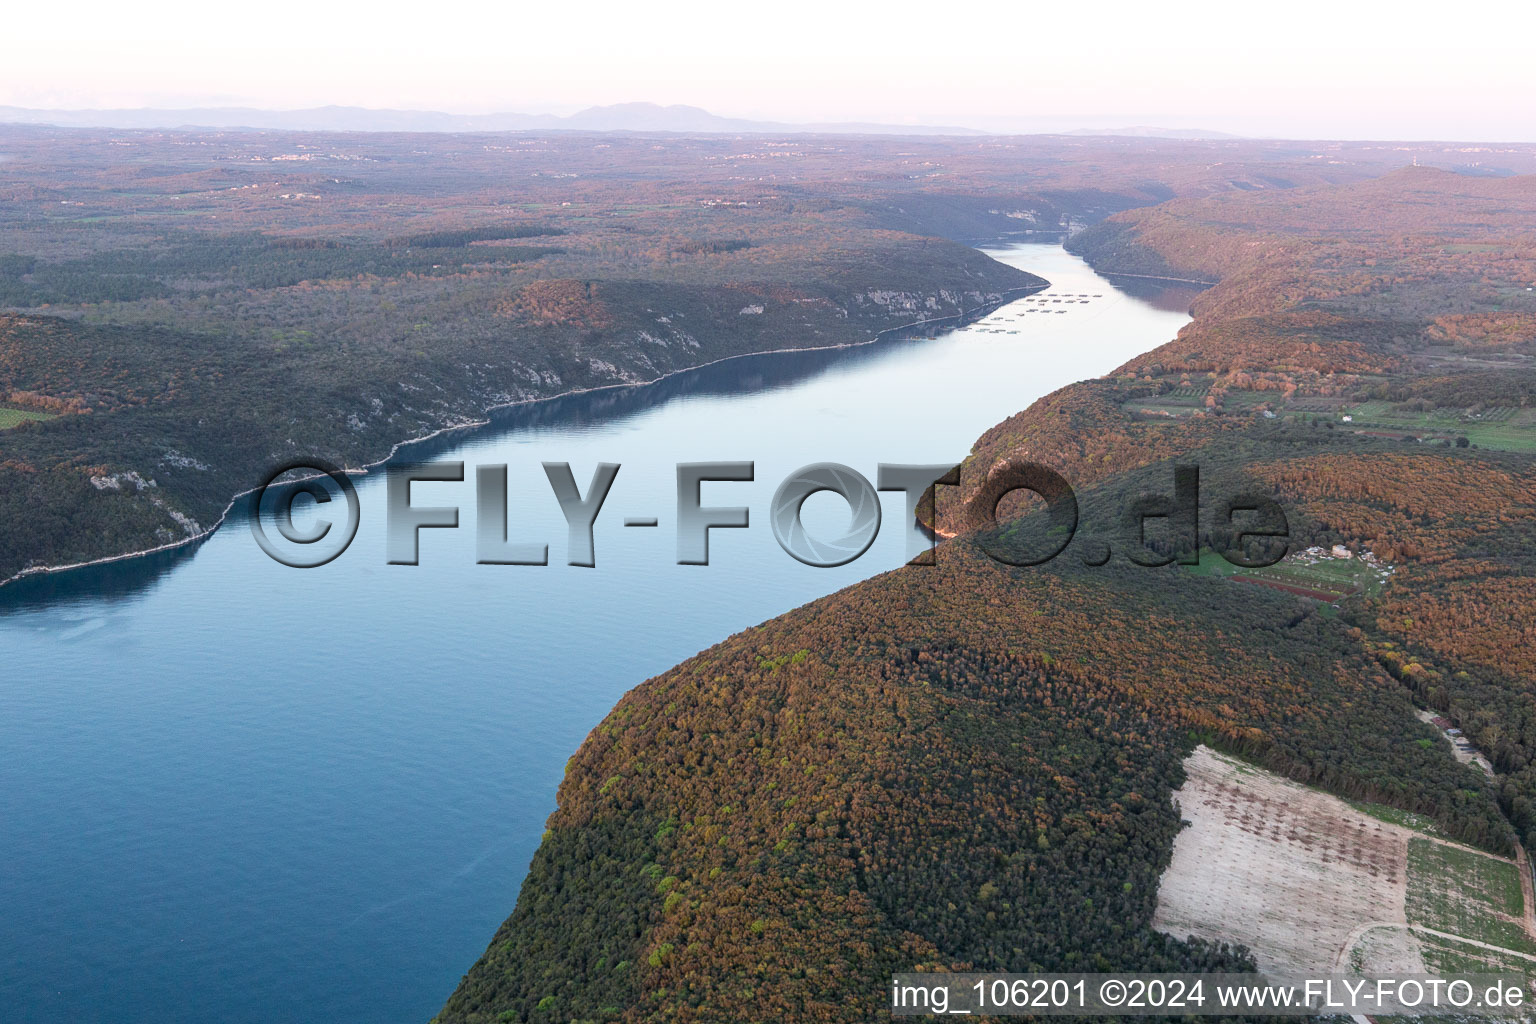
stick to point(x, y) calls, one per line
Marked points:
point(238, 792)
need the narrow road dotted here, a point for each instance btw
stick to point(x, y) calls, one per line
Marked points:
point(1354, 937)
point(1359, 930)
point(1523, 865)
point(1472, 942)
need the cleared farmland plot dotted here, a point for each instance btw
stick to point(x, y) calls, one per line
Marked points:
point(1454, 890)
point(1448, 956)
point(1502, 427)
point(10, 417)
point(1387, 949)
point(1324, 579)
point(1311, 883)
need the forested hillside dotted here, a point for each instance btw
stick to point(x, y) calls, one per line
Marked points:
point(965, 765)
point(180, 311)
point(970, 765)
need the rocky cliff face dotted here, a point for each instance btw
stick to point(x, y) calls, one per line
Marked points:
point(647, 330)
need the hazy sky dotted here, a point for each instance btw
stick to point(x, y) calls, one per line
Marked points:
point(1301, 69)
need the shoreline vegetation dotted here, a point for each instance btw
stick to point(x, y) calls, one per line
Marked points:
point(888, 334)
point(973, 767)
point(1162, 277)
point(195, 306)
point(967, 767)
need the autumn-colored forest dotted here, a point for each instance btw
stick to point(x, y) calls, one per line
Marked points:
point(204, 304)
point(968, 766)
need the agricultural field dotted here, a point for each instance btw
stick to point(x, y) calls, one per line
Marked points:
point(1316, 404)
point(1310, 882)
point(1140, 407)
point(1241, 400)
point(1504, 428)
point(1286, 870)
point(11, 417)
point(1306, 574)
point(1447, 956)
point(1397, 816)
point(1180, 401)
point(1456, 890)
point(1186, 400)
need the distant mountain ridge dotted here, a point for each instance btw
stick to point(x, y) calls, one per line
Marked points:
point(618, 117)
point(1143, 131)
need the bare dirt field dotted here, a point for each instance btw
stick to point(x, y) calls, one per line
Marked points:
point(1285, 870)
point(1310, 883)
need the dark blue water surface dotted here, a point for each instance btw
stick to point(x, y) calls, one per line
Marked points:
point(232, 791)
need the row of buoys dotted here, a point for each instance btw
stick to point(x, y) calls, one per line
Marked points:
point(1065, 297)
